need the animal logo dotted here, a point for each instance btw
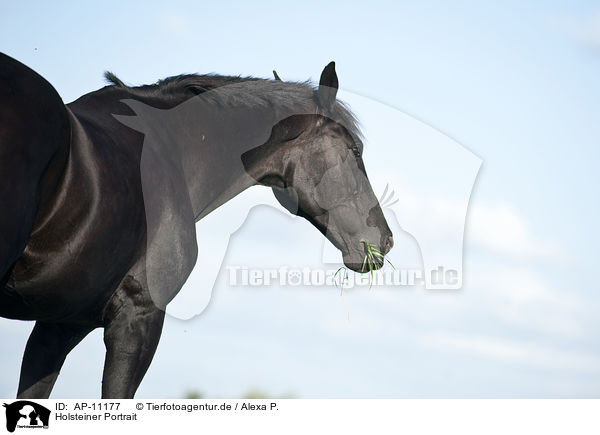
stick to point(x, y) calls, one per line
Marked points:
point(26, 414)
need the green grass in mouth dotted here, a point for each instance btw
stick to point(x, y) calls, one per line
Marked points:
point(373, 256)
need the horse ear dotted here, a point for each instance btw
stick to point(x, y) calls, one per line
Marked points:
point(328, 86)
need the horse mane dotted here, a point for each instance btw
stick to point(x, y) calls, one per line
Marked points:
point(242, 91)
point(178, 85)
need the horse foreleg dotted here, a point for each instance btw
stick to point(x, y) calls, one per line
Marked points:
point(45, 353)
point(131, 335)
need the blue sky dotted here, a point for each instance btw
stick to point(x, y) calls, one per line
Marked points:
point(516, 84)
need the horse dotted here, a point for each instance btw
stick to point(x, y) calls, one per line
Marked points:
point(101, 196)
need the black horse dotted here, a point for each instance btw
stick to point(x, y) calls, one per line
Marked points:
point(100, 198)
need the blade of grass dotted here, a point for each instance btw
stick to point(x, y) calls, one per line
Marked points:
point(372, 257)
point(343, 280)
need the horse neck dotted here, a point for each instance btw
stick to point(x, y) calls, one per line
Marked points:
point(210, 139)
point(212, 151)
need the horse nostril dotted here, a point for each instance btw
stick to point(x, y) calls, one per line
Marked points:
point(388, 244)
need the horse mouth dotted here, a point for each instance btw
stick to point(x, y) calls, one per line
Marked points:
point(361, 267)
point(365, 260)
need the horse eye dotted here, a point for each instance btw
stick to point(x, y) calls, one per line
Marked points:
point(356, 151)
point(293, 136)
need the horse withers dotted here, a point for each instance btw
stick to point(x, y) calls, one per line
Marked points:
point(101, 197)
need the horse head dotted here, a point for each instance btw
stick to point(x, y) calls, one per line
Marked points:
point(318, 173)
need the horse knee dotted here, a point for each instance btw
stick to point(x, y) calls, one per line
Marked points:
point(132, 329)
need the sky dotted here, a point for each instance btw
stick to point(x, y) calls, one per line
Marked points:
point(504, 92)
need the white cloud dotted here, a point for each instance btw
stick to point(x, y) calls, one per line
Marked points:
point(501, 228)
point(585, 30)
point(497, 227)
point(522, 298)
point(174, 22)
point(515, 352)
point(521, 287)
